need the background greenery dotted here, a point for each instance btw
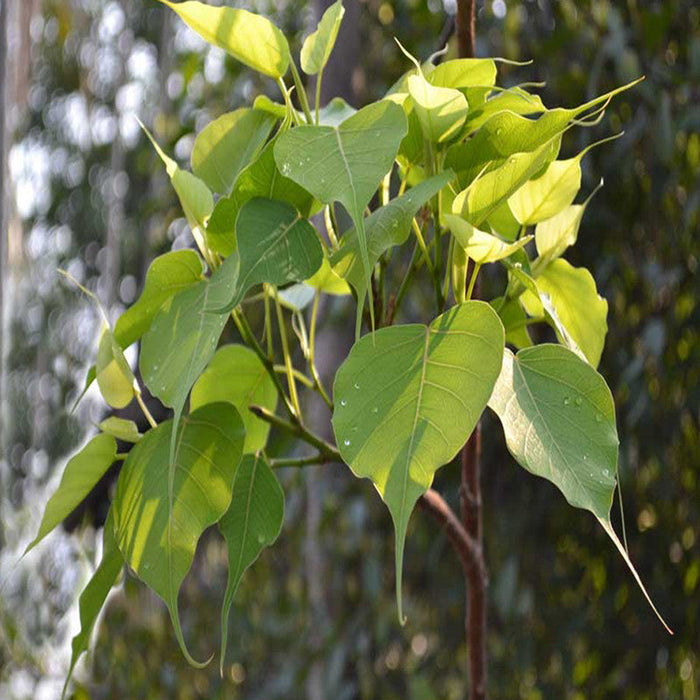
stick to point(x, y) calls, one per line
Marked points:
point(315, 617)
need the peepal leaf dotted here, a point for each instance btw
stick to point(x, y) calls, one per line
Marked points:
point(440, 110)
point(275, 245)
point(93, 598)
point(318, 46)
point(235, 374)
point(249, 38)
point(82, 472)
point(227, 145)
point(345, 163)
point(385, 227)
point(160, 513)
point(574, 299)
point(462, 73)
point(558, 417)
point(183, 337)
point(167, 275)
point(114, 376)
point(480, 246)
point(252, 522)
point(407, 399)
point(327, 280)
point(120, 428)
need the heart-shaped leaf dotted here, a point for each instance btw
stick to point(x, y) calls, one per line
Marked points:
point(227, 145)
point(160, 512)
point(167, 275)
point(407, 398)
point(345, 163)
point(93, 598)
point(81, 474)
point(252, 522)
point(236, 375)
point(249, 38)
point(318, 46)
point(558, 417)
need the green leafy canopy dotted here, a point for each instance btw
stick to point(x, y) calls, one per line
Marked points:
point(449, 165)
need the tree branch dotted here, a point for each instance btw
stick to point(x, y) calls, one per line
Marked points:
point(465, 21)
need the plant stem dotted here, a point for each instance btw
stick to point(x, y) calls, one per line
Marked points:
point(299, 376)
point(287, 356)
point(319, 78)
point(145, 411)
point(472, 281)
point(405, 282)
point(303, 99)
point(297, 461)
point(312, 365)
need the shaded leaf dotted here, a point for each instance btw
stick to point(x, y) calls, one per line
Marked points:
point(407, 398)
point(318, 46)
point(249, 38)
point(235, 374)
point(82, 472)
point(167, 275)
point(558, 417)
point(160, 512)
point(252, 522)
point(228, 144)
point(514, 321)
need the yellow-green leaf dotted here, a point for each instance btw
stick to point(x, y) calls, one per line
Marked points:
point(114, 376)
point(480, 246)
point(318, 46)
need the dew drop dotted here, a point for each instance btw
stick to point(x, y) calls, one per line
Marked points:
point(606, 472)
point(598, 418)
point(346, 442)
point(261, 539)
point(578, 401)
point(343, 402)
point(356, 385)
point(375, 409)
point(567, 401)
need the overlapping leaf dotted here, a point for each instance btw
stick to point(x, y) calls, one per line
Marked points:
point(120, 428)
point(252, 522)
point(235, 374)
point(318, 46)
point(160, 512)
point(407, 398)
point(480, 246)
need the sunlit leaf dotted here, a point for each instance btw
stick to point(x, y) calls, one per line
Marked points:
point(318, 46)
point(167, 275)
point(252, 522)
point(573, 295)
point(328, 281)
point(514, 100)
point(480, 246)
point(120, 428)
point(160, 513)
point(558, 417)
point(440, 110)
point(93, 598)
point(407, 398)
point(81, 474)
point(463, 73)
point(114, 376)
point(345, 163)
point(235, 374)
point(227, 145)
point(249, 38)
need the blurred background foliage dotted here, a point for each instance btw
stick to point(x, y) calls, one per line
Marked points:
point(315, 617)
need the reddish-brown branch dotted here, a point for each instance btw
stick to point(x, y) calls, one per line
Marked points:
point(465, 21)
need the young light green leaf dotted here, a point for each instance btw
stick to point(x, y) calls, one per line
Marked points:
point(195, 198)
point(252, 522)
point(114, 376)
point(328, 281)
point(462, 73)
point(183, 337)
point(480, 246)
point(120, 428)
point(249, 38)
point(318, 46)
point(167, 275)
point(385, 227)
point(345, 163)
point(558, 417)
point(407, 399)
point(514, 100)
point(486, 194)
point(160, 512)
point(81, 474)
point(440, 110)
point(579, 308)
point(235, 374)
point(228, 144)
point(275, 245)
point(93, 598)
point(260, 179)
point(553, 236)
point(502, 222)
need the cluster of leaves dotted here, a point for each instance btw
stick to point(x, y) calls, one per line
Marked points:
point(473, 167)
